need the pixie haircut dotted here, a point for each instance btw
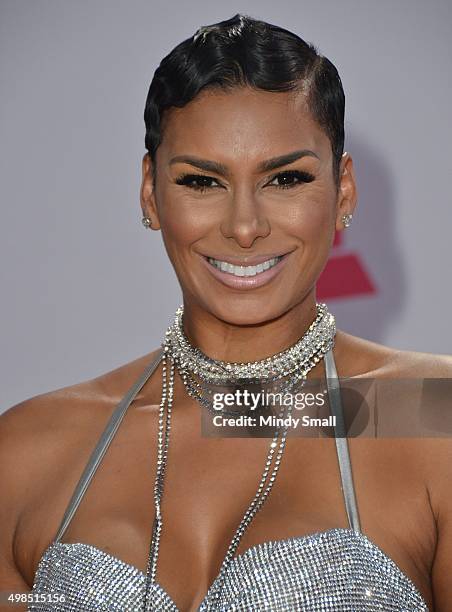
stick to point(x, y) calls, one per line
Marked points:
point(245, 52)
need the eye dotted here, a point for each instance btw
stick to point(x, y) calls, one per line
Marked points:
point(198, 182)
point(291, 178)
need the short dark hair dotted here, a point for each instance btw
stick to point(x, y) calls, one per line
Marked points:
point(243, 51)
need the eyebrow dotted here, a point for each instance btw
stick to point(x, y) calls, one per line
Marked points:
point(265, 166)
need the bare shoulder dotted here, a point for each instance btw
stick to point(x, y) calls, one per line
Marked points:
point(46, 429)
point(62, 408)
point(361, 357)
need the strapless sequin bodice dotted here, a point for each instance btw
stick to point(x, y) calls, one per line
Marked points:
point(337, 570)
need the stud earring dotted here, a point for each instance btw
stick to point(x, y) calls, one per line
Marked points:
point(347, 219)
point(146, 221)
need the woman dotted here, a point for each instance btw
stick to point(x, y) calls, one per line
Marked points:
point(246, 177)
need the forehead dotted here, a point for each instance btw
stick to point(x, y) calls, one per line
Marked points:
point(242, 123)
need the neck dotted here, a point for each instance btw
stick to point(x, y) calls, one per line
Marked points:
point(242, 343)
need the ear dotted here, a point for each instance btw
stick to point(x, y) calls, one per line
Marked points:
point(147, 192)
point(347, 194)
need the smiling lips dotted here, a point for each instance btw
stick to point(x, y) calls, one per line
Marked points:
point(230, 268)
point(248, 276)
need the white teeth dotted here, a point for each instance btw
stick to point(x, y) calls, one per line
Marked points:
point(225, 266)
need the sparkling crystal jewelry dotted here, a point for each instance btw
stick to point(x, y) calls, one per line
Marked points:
point(347, 219)
point(279, 373)
point(146, 221)
point(197, 370)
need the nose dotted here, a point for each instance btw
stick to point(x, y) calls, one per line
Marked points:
point(245, 221)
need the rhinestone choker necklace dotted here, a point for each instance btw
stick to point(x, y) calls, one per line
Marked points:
point(278, 373)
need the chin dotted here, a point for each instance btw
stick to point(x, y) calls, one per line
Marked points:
point(239, 311)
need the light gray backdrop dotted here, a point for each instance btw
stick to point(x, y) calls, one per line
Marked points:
point(85, 288)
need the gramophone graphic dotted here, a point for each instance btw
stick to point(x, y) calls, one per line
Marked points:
point(344, 274)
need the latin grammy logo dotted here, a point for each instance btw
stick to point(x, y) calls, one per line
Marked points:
point(344, 275)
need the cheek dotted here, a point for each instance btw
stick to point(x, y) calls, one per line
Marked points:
point(182, 221)
point(312, 224)
point(312, 218)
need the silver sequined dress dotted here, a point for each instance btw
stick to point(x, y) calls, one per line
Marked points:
point(339, 570)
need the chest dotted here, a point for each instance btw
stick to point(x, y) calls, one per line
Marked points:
point(208, 486)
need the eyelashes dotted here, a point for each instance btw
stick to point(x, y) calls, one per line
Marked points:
point(198, 182)
point(290, 175)
point(287, 180)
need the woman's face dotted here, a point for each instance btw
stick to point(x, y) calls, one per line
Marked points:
point(246, 201)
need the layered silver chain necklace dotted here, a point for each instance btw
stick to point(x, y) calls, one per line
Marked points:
point(200, 374)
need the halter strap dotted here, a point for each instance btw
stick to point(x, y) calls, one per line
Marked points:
point(104, 442)
point(343, 455)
